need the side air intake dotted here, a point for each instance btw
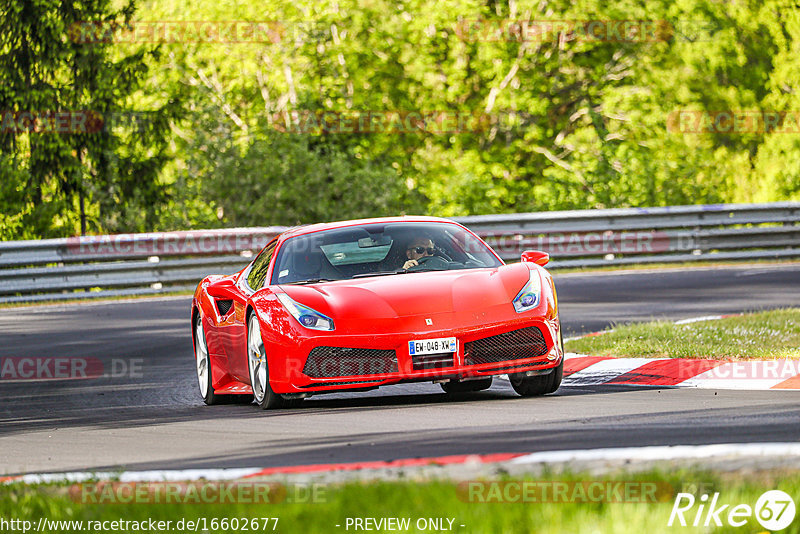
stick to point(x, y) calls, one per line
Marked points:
point(224, 306)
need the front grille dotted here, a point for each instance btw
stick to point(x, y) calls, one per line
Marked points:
point(433, 361)
point(515, 345)
point(329, 362)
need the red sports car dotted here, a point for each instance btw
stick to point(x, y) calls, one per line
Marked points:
point(353, 305)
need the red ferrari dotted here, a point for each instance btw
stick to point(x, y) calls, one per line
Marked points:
point(353, 305)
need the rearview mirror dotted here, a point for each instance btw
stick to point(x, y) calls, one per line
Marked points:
point(369, 242)
point(536, 256)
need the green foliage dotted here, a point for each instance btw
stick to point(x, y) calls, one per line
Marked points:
point(285, 179)
point(570, 122)
point(85, 172)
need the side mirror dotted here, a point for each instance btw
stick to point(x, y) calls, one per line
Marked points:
point(221, 289)
point(536, 256)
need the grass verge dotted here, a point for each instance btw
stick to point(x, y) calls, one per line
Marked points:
point(761, 335)
point(609, 507)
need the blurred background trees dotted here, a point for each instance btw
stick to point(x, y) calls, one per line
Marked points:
point(573, 122)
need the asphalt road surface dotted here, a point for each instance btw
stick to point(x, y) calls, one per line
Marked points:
point(150, 416)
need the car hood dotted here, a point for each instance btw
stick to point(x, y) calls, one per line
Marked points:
point(413, 294)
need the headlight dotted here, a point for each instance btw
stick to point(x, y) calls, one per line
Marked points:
point(305, 315)
point(528, 297)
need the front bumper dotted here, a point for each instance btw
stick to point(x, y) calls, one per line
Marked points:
point(536, 350)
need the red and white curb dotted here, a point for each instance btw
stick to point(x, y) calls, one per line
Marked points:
point(245, 473)
point(584, 370)
point(581, 370)
point(567, 458)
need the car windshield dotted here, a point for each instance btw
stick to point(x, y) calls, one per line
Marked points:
point(378, 250)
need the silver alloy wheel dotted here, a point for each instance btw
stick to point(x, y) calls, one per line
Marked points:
point(256, 359)
point(201, 357)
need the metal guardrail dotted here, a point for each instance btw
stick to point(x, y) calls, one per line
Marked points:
point(131, 264)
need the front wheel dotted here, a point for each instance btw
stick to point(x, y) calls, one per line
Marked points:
point(533, 386)
point(257, 366)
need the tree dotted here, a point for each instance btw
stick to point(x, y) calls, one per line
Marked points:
point(70, 156)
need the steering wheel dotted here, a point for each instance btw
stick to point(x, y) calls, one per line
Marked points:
point(437, 252)
point(436, 262)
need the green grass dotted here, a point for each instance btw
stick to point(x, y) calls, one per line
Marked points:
point(762, 335)
point(431, 500)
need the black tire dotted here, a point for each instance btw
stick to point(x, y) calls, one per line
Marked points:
point(467, 386)
point(203, 363)
point(257, 368)
point(533, 386)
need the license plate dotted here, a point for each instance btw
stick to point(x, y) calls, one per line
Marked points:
point(431, 346)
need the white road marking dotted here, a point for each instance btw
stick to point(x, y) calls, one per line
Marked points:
point(672, 452)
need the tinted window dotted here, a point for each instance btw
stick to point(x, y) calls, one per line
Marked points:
point(373, 249)
point(258, 273)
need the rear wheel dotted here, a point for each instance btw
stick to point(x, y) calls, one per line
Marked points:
point(203, 363)
point(259, 371)
point(467, 386)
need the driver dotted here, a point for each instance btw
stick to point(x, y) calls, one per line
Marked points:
point(421, 247)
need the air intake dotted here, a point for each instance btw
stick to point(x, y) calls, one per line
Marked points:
point(329, 362)
point(515, 345)
point(224, 306)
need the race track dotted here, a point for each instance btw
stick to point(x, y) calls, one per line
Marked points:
point(153, 417)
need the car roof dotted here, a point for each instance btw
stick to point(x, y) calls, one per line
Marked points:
point(310, 228)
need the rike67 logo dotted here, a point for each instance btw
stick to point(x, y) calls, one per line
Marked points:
point(774, 510)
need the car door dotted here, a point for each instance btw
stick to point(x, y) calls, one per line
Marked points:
point(251, 280)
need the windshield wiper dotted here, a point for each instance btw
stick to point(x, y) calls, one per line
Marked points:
point(309, 281)
point(378, 273)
